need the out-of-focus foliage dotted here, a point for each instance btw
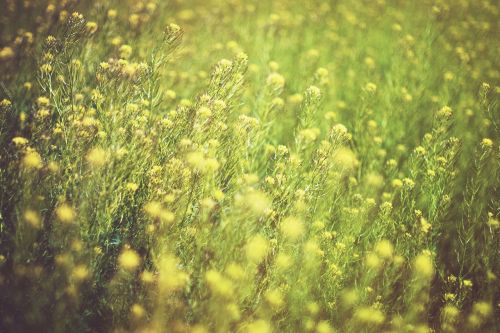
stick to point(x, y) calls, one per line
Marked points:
point(258, 166)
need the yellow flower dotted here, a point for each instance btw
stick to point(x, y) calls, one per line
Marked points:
point(370, 87)
point(20, 141)
point(218, 284)
point(132, 187)
point(445, 112)
point(147, 277)
point(257, 248)
point(258, 326)
point(397, 183)
point(423, 266)
point(424, 225)
point(137, 311)
point(170, 277)
point(487, 143)
point(369, 315)
point(467, 283)
point(274, 298)
point(5, 103)
point(97, 157)
point(42, 101)
point(292, 228)
point(32, 160)
point(80, 273)
point(32, 218)
point(125, 51)
point(6, 53)
point(276, 81)
point(372, 260)
point(345, 159)
point(112, 13)
point(129, 260)
point(46, 68)
point(384, 249)
point(91, 27)
point(65, 213)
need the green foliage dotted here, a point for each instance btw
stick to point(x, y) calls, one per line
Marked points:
point(268, 166)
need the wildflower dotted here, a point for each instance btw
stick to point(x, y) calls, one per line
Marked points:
point(125, 51)
point(112, 13)
point(487, 143)
point(408, 183)
point(77, 16)
point(483, 309)
point(374, 180)
point(46, 68)
point(134, 20)
point(313, 92)
point(370, 87)
point(384, 249)
point(32, 218)
point(204, 112)
point(218, 284)
point(450, 313)
point(91, 27)
point(132, 187)
point(50, 40)
point(292, 228)
point(295, 99)
point(115, 41)
point(467, 283)
point(235, 271)
point(171, 278)
point(5, 103)
point(155, 210)
point(257, 248)
point(322, 72)
point(147, 277)
point(345, 159)
point(80, 273)
point(6, 53)
point(424, 225)
point(369, 315)
point(43, 101)
point(324, 327)
point(274, 66)
point(312, 252)
point(283, 261)
point(20, 141)
point(129, 260)
point(65, 213)
point(256, 202)
point(233, 311)
point(174, 27)
point(201, 164)
point(309, 134)
point(373, 261)
point(97, 157)
point(258, 326)
point(137, 311)
point(274, 298)
point(397, 183)
point(423, 266)
point(444, 112)
point(275, 81)
point(32, 160)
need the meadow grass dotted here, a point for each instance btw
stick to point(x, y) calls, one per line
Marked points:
point(249, 166)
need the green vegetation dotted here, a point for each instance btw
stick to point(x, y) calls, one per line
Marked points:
point(268, 166)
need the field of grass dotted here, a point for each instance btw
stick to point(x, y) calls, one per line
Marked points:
point(249, 166)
